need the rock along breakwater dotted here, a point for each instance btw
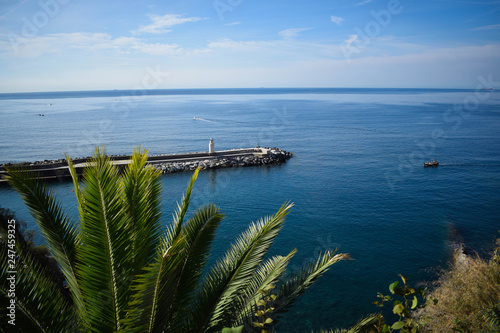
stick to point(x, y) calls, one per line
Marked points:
point(229, 159)
point(58, 169)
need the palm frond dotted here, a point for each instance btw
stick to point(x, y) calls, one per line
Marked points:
point(76, 184)
point(363, 325)
point(174, 230)
point(229, 276)
point(154, 294)
point(104, 261)
point(166, 290)
point(141, 190)
point(40, 306)
point(58, 230)
point(24, 251)
point(197, 235)
point(296, 285)
point(266, 274)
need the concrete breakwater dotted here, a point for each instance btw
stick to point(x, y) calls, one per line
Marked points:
point(58, 169)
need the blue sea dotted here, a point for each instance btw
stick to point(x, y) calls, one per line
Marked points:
point(356, 178)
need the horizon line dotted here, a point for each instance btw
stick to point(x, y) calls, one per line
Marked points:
point(234, 88)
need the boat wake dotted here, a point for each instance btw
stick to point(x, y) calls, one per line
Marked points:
point(469, 165)
point(210, 121)
point(232, 122)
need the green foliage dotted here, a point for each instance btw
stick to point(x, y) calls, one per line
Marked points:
point(404, 299)
point(466, 299)
point(264, 310)
point(123, 271)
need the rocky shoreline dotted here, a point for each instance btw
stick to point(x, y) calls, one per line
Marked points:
point(273, 156)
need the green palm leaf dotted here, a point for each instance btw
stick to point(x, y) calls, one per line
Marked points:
point(197, 236)
point(56, 227)
point(141, 190)
point(296, 285)
point(363, 325)
point(76, 184)
point(104, 257)
point(167, 274)
point(150, 293)
point(145, 290)
point(40, 306)
point(175, 273)
point(267, 273)
point(230, 276)
point(174, 230)
point(58, 230)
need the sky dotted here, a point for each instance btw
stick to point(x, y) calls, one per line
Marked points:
point(64, 45)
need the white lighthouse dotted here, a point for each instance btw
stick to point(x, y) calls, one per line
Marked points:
point(211, 147)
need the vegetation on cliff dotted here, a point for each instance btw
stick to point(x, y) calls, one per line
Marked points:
point(466, 297)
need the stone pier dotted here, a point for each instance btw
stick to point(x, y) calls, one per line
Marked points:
point(58, 169)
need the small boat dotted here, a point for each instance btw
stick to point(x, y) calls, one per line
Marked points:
point(431, 163)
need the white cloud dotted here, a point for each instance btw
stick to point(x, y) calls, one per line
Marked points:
point(362, 3)
point(232, 23)
point(352, 39)
point(489, 27)
point(84, 40)
point(63, 42)
point(158, 48)
point(226, 43)
point(337, 20)
point(160, 23)
point(272, 48)
point(292, 32)
point(13, 46)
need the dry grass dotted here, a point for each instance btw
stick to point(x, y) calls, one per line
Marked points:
point(468, 297)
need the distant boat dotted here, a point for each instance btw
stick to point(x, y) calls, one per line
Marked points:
point(488, 89)
point(430, 164)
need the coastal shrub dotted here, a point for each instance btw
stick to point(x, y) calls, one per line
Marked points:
point(403, 301)
point(125, 271)
point(466, 297)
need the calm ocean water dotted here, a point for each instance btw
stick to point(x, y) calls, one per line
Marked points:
point(356, 178)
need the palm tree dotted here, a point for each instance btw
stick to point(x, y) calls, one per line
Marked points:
point(125, 271)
